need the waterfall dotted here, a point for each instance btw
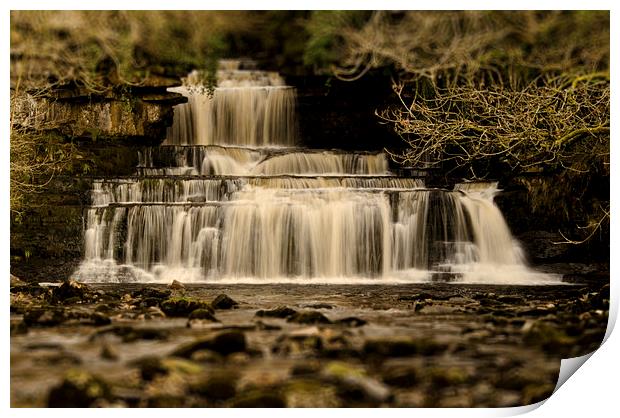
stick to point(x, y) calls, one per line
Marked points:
point(228, 197)
point(248, 108)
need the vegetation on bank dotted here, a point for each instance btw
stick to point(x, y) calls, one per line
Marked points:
point(95, 55)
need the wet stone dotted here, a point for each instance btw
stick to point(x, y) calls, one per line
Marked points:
point(511, 299)
point(216, 386)
point(203, 314)
point(16, 281)
point(264, 326)
point(70, 290)
point(176, 285)
point(163, 400)
point(129, 334)
point(45, 317)
point(354, 383)
point(311, 393)
point(108, 352)
point(148, 302)
point(319, 306)
point(167, 391)
point(445, 277)
point(305, 368)
point(536, 393)
point(206, 356)
point(447, 376)
point(29, 289)
point(402, 347)
point(180, 307)
point(151, 292)
point(223, 343)
point(402, 377)
point(309, 317)
point(44, 346)
point(150, 367)
point(223, 302)
point(98, 319)
point(79, 389)
point(415, 297)
point(279, 312)
point(106, 308)
point(259, 398)
point(306, 341)
point(517, 378)
point(153, 312)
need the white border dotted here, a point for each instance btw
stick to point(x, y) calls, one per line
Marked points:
point(592, 392)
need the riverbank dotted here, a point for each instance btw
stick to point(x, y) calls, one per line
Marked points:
point(424, 345)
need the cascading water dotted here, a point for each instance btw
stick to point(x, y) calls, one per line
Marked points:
point(249, 108)
point(227, 198)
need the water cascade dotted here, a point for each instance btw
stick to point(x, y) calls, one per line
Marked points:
point(229, 197)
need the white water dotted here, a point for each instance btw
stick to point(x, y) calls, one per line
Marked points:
point(200, 211)
point(250, 108)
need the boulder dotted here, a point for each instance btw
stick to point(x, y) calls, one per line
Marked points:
point(309, 317)
point(176, 285)
point(223, 302)
point(70, 290)
point(180, 307)
point(203, 314)
point(79, 389)
point(224, 343)
point(402, 347)
point(279, 312)
point(215, 386)
point(16, 281)
point(354, 382)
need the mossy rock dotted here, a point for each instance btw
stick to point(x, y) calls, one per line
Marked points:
point(536, 393)
point(311, 393)
point(216, 386)
point(45, 317)
point(223, 343)
point(79, 389)
point(182, 307)
point(151, 292)
point(448, 376)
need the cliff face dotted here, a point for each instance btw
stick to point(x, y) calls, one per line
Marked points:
point(108, 130)
point(341, 114)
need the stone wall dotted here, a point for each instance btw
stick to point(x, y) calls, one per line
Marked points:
point(109, 129)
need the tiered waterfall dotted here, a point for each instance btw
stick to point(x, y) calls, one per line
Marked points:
point(230, 196)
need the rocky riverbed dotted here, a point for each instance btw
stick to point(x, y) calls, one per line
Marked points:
point(424, 345)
